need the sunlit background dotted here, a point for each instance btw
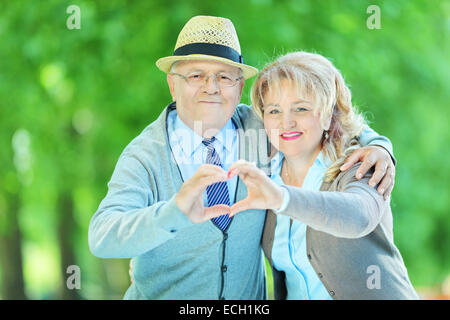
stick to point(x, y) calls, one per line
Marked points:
point(71, 100)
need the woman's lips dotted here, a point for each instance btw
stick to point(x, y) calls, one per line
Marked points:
point(291, 135)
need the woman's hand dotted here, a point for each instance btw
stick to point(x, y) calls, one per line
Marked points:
point(263, 193)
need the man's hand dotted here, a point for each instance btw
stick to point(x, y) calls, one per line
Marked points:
point(262, 192)
point(384, 167)
point(190, 197)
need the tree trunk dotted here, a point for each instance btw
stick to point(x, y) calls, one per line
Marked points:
point(13, 287)
point(66, 233)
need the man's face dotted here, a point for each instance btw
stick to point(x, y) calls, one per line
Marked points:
point(208, 104)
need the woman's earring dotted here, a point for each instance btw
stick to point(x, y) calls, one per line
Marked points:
point(326, 135)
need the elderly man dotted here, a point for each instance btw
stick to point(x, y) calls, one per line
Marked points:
point(168, 198)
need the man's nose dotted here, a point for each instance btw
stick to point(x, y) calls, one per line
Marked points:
point(211, 85)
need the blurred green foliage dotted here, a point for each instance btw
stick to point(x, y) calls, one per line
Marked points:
point(71, 100)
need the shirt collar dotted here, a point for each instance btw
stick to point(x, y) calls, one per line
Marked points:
point(226, 135)
point(190, 141)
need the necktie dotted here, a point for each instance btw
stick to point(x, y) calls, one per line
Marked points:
point(217, 193)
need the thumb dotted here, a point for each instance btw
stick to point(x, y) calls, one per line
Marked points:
point(216, 211)
point(240, 206)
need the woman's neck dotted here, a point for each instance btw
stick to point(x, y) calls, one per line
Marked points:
point(295, 168)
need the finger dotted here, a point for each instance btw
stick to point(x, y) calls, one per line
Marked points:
point(207, 175)
point(232, 173)
point(387, 182)
point(130, 271)
point(216, 211)
point(355, 157)
point(240, 206)
point(246, 168)
point(203, 182)
point(367, 163)
point(207, 169)
point(238, 163)
point(380, 172)
point(388, 192)
point(213, 178)
point(243, 165)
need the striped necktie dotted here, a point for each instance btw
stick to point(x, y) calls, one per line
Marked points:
point(217, 193)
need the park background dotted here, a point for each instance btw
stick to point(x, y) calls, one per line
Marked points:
point(71, 100)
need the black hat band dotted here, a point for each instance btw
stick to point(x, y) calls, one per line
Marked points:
point(210, 49)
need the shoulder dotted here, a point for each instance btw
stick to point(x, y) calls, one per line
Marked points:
point(344, 178)
point(244, 112)
point(247, 117)
point(152, 138)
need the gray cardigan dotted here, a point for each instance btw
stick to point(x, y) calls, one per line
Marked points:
point(349, 240)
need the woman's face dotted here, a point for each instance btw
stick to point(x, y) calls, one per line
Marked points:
point(291, 123)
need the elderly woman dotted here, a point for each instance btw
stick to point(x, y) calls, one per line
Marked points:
point(327, 235)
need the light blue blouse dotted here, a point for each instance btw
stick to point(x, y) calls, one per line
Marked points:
point(289, 245)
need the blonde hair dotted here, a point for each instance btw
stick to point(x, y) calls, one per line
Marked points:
point(317, 79)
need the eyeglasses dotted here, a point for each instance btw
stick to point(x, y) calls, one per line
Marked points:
point(197, 80)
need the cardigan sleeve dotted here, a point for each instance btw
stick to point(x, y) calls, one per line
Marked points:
point(129, 222)
point(353, 211)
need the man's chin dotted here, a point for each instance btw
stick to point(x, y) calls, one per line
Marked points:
point(210, 126)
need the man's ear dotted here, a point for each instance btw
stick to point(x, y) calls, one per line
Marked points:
point(170, 82)
point(241, 84)
point(241, 87)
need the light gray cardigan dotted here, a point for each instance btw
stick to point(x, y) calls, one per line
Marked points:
point(349, 240)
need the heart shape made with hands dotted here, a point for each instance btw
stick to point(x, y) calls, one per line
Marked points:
point(262, 192)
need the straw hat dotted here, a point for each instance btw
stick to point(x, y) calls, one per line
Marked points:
point(208, 38)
